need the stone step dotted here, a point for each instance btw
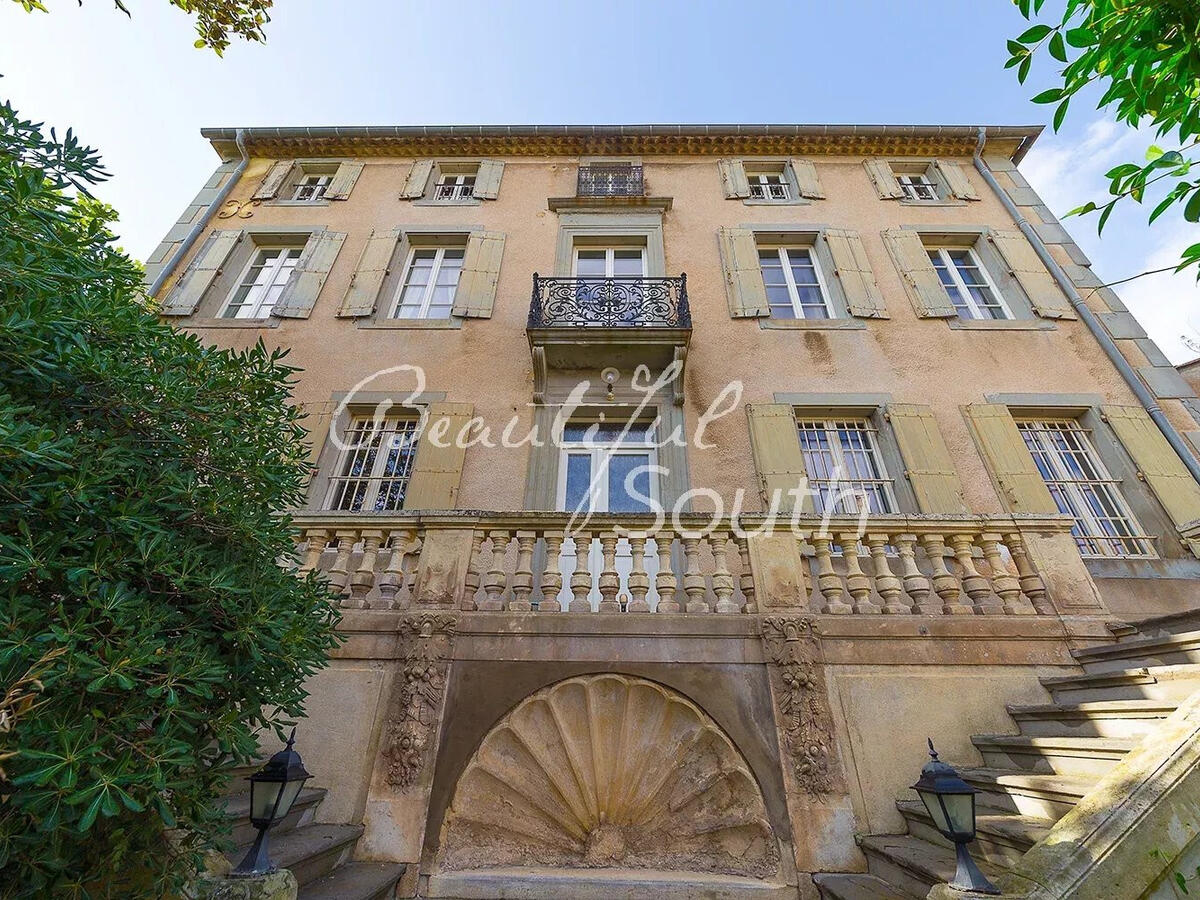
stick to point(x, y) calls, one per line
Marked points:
point(1042, 796)
point(310, 852)
point(856, 886)
point(355, 881)
point(1174, 683)
point(911, 864)
point(1171, 623)
point(1093, 756)
point(1001, 838)
point(1155, 650)
point(1108, 718)
point(237, 808)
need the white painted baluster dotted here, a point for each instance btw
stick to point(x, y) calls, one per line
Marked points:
point(665, 582)
point(551, 576)
point(828, 581)
point(639, 580)
point(522, 581)
point(887, 585)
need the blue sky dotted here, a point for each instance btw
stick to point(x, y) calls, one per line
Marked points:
point(137, 90)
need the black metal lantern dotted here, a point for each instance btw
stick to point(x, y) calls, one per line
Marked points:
point(950, 802)
point(273, 790)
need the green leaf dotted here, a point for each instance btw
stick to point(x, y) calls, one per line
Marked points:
point(1057, 47)
point(1181, 882)
point(1017, 49)
point(1053, 95)
point(1034, 34)
point(1123, 171)
point(1061, 113)
point(1162, 208)
point(1081, 37)
point(1023, 69)
point(1191, 212)
point(1153, 152)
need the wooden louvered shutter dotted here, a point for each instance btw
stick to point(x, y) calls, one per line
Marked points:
point(744, 288)
point(927, 463)
point(363, 291)
point(853, 270)
point(343, 181)
point(476, 292)
point(199, 276)
point(418, 179)
point(437, 470)
point(884, 179)
point(1046, 297)
point(956, 180)
point(487, 179)
point(921, 282)
point(807, 180)
point(1012, 467)
point(733, 179)
point(775, 443)
point(1157, 462)
point(273, 180)
point(312, 268)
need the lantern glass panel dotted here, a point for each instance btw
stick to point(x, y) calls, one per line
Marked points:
point(263, 795)
point(961, 808)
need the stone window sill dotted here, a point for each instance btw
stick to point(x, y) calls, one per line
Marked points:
point(410, 324)
point(297, 203)
point(425, 201)
point(812, 324)
point(1001, 325)
point(932, 203)
point(270, 322)
point(800, 201)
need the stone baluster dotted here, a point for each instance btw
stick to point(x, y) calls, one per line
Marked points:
point(522, 581)
point(746, 579)
point(829, 582)
point(551, 577)
point(339, 572)
point(665, 582)
point(887, 585)
point(945, 584)
point(722, 578)
point(976, 586)
point(1032, 585)
point(581, 578)
point(400, 544)
point(610, 579)
point(857, 581)
point(693, 578)
point(639, 579)
point(916, 585)
point(1004, 583)
point(363, 578)
point(496, 579)
point(474, 573)
point(315, 542)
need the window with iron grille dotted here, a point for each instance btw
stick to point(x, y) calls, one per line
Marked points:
point(917, 186)
point(610, 180)
point(262, 283)
point(311, 188)
point(454, 187)
point(844, 467)
point(967, 284)
point(794, 283)
point(375, 464)
point(1083, 489)
point(769, 186)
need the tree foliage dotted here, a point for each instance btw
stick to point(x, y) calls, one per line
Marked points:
point(147, 628)
point(215, 19)
point(1145, 54)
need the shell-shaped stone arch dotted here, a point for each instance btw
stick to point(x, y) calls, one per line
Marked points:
point(609, 771)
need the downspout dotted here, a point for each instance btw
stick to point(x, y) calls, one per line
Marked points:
point(1088, 317)
point(198, 228)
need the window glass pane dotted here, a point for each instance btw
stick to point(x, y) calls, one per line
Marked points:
point(621, 496)
point(590, 263)
point(579, 479)
point(628, 263)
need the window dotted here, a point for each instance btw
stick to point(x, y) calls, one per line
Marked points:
point(917, 186)
point(311, 188)
point(454, 187)
point(795, 288)
point(603, 469)
point(1083, 489)
point(769, 186)
point(261, 284)
point(429, 282)
point(610, 262)
point(971, 291)
point(374, 468)
point(844, 467)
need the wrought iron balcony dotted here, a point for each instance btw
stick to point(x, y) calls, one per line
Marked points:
point(610, 181)
point(610, 302)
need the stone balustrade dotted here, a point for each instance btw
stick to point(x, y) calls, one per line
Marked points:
point(542, 563)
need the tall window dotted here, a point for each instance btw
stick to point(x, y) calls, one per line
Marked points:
point(375, 465)
point(429, 282)
point(917, 187)
point(1083, 489)
point(610, 262)
point(769, 186)
point(844, 467)
point(971, 291)
point(311, 187)
point(452, 186)
point(262, 283)
point(795, 288)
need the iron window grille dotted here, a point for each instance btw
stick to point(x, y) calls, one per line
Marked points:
point(845, 469)
point(918, 187)
point(375, 465)
point(454, 187)
point(769, 186)
point(610, 180)
point(311, 188)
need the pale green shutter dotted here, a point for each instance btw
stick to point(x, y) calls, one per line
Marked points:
point(363, 291)
point(927, 463)
point(924, 288)
point(956, 180)
point(1008, 459)
point(487, 179)
point(273, 180)
point(744, 288)
point(853, 270)
point(1157, 463)
point(807, 181)
point(203, 271)
point(343, 181)
point(775, 443)
point(418, 179)
point(312, 268)
point(884, 180)
point(437, 470)
point(1046, 297)
point(733, 179)
point(476, 292)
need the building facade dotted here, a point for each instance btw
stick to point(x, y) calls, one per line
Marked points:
point(680, 481)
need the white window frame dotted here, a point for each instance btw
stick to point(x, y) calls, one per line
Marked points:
point(761, 188)
point(601, 450)
point(842, 487)
point(312, 185)
point(973, 307)
point(915, 183)
point(610, 252)
point(454, 186)
point(355, 432)
point(789, 277)
point(258, 308)
point(435, 271)
point(1088, 531)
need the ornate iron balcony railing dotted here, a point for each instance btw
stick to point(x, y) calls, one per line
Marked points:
point(610, 181)
point(610, 302)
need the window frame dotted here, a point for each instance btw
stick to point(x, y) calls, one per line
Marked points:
point(412, 250)
point(829, 422)
point(600, 452)
point(258, 250)
point(943, 249)
point(338, 482)
point(912, 187)
point(757, 179)
point(325, 179)
point(610, 251)
point(781, 248)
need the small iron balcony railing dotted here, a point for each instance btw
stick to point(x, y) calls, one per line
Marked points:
point(610, 302)
point(610, 181)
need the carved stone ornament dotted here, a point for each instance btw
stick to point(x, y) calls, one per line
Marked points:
point(417, 697)
point(608, 771)
point(791, 644)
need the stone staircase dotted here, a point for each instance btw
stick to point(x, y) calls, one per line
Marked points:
point(318, 855)
point(1031, 779)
